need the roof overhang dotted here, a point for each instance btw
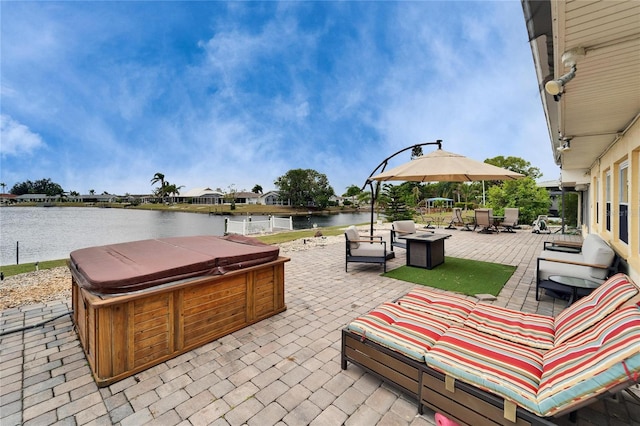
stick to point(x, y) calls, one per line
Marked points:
point(602, 101)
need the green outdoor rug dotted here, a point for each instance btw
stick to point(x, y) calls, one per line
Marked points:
point(464, 276)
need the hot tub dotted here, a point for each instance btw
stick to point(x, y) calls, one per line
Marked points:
point(140, 303)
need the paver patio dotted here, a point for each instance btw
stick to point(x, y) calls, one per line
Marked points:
point(284, 370)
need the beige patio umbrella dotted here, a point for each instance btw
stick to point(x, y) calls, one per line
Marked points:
point(439, 166)
point(444, 166)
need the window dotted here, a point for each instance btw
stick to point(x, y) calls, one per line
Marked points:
point(607, 195)
point(623, 203)
point(597, 198)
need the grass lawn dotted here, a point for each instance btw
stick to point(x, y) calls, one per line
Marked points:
point(464, 276)
point(22, 268)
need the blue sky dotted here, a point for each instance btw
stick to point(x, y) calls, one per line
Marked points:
point(102, 95)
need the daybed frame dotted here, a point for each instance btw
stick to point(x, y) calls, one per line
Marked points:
point(466, 404)
point(392, 353)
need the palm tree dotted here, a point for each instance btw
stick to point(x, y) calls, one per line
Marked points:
point(467, 190)
point(364, 197)
point(3, 185)
point(416, 193)
point(416, 152)
point(457, 191)
point(159, 177)
point(172, 189)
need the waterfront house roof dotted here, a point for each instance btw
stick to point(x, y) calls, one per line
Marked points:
point(549, 184)
point(199, 192)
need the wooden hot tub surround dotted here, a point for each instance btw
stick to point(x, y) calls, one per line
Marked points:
point(126, 333)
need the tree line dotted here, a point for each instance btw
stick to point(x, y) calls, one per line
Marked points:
point(308, 188)
point(42, 186)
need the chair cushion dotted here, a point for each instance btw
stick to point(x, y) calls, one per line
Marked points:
point(402, 330)
point(483, 217)
point(591, 309)
point(448, 306)
point(591, 363)
point(596, 251)
point(508, 369)
point(369, 250)
point(404, 226)
point(569, 270)
point(536, 331)
point(562, 255)
point(511, 215)
point(352, 235)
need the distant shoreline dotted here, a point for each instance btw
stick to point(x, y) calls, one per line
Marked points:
point(223, 210)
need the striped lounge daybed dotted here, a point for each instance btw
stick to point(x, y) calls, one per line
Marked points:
point(480, 364)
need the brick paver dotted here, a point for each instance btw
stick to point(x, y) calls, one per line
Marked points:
point(284, 370)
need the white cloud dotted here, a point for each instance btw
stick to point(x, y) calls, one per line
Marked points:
point(474, 87)
point(303, 110)
point(17, 138)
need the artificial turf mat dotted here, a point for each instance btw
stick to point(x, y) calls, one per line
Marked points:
point(464, 276)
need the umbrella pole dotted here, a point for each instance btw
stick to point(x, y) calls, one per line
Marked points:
point(373, 202)
point(563, 203)
point(484, 202)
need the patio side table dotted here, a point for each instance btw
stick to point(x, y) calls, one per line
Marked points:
point(574, 286)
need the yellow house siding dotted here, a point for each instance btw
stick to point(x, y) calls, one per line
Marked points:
point(627, 148)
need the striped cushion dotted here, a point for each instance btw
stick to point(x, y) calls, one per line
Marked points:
point(591, 309)
point(591, 363)
point(508, 369)
point(402, 330)
point(532, 330)
point(444, 305)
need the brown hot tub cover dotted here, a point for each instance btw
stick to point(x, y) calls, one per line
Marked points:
point(132, 266)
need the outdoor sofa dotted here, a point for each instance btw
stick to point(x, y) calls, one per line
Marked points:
point(480, 364)
point(595, 261)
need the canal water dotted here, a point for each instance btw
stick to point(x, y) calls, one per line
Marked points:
point(34, 234)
